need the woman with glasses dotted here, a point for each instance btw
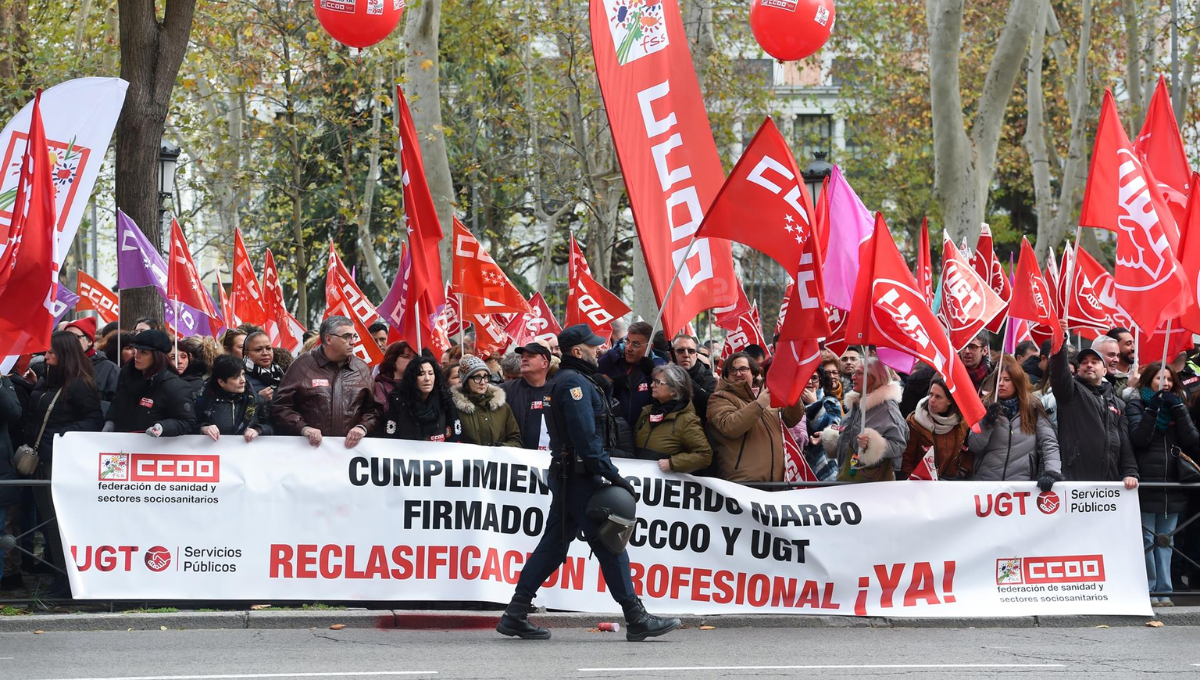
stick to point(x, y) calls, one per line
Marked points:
point(263, 375)
point(746, 432)
point(421, 408)
point(668, 430)
point(486, 417)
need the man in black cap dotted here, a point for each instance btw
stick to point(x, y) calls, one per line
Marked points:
point(529, 396)
point(581, 435)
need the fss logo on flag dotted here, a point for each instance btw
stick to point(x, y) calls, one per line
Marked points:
point(637, 28)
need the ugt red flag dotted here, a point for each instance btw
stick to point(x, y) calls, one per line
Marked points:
point(988, 266)
point(538, 324)
point(1161, 145)
point(248, 303)
point(587, 301)
point(1087, 310)
point(968, 303)
point(97, 297)
point(28, 263)
point(765, 190)
point(1032, 297)
point(484, 287)
point(889, 311)
point(343, 297)
point(1121, 197)
point(665, 146)
point(748, 332)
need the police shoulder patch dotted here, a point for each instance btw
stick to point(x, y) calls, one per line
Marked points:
point(577, 393)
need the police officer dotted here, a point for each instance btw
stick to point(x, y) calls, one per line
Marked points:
point(580, 435)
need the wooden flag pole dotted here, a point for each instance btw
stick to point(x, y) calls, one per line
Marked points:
point(671, 288)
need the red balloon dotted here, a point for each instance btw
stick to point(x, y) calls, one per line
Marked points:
point(359, 23)
point(791, 29)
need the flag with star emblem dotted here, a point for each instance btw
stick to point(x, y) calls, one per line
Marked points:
point(484, 287)
point(764, 203)
point(587, 301)
point(183, 281)
point(344, 298)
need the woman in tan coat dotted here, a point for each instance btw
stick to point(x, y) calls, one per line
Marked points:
point(668, 429)
point(746, 432)
point(937, 423)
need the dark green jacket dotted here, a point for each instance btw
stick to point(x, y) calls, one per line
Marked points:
point(679, 436)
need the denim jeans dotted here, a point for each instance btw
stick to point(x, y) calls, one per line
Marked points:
point(1158, 558)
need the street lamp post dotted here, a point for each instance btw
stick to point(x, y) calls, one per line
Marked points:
point(815, 174)
point(168, 159)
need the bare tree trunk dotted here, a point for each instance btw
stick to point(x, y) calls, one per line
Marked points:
point(151, 54)
point(963, 165)
point(1184, 87)
point(425, 99)
point(698, 25)
point(368, 198)
point(1035, 129)
point(1074, 171)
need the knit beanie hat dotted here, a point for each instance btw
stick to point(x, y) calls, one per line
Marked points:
point(471, 364)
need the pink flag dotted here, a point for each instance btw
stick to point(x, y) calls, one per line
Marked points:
point(850, 225)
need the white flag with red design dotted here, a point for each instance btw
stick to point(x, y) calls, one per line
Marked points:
point(926, 468)
point(795, 467)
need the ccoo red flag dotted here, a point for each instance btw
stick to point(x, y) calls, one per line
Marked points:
point(924, 270)
point(183, 280)
point(485, 288)
point(1032, 297)
point(889, 311)
point(1161, 145)
point(97, 297)
point(278, 326)
point(343, 298)
point(587, 301)
point(1121, 196)
point(968, 303)
point(248, 303)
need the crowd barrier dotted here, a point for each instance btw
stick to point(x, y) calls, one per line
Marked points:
point(277, 520)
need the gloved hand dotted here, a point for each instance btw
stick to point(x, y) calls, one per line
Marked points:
point(1156, 402)
point(155, 430)
point(646, 364)
point(1047, 480)
point(620, 481)
point(1169, 398)
point(993, 414)
point(109, 426)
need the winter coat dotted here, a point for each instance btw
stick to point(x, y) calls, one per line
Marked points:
point(677, 436)
point(141, 402)
point(10, 416)
point(77, 410)
point(384, 384)
point(1003, 452)
point(916, 387)
point(747, 438)
point(825, 412)
point(1033, 369)
point(1155, 452)
point(106, 374)
point(878, 417)
point(487, 419)
point(531, 407)
point(1092, 427)
point(232, 413)
point(331, 397)
point(925, 432)
point(401, 420)
point(631, 384)
point(704, 383)
point(258, 379)
point(195, 383)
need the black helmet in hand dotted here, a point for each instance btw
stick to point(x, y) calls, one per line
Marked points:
point(614, 510)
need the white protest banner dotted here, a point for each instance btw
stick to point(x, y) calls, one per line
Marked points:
point(189, 518)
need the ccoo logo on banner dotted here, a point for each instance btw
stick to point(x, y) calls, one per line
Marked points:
point(279, 519)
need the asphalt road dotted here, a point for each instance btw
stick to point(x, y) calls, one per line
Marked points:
point(578, 653)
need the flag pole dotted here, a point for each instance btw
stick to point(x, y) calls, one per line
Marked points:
point(460, 323)
point(1166, 347)
point(175, 306)
point(1071, 290)
point(1137, 337)
point(1000, 363)
point(671, 288)
point(417, 321)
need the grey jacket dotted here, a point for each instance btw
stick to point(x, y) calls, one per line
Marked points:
point(883, 425)
point(1003, 452)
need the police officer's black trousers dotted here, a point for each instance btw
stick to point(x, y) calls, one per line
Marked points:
point(552, 549)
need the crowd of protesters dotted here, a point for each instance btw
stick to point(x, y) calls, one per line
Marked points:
point(1086, 415)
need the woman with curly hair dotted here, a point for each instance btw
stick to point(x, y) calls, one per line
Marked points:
point(421, 408)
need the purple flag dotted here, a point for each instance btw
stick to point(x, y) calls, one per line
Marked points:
point(392, 307)
point(64, 300)
point(190, 321)
point(139, 264)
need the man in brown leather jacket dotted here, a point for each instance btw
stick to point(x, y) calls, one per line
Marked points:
point(328, 391)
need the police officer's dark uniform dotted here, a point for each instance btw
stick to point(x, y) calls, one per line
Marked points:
point(578, 424)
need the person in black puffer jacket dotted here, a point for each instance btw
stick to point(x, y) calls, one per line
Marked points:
point(188, 361)
point(151, 398)
point(64, 401)
point(227, 406)
point(1160, 427)
point(421, 408)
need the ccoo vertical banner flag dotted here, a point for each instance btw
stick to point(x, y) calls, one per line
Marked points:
point(666, 149)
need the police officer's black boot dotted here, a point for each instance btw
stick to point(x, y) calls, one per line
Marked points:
point(515, 621)
point(641, 624)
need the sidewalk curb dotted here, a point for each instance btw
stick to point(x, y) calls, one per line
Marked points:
point(386, 619)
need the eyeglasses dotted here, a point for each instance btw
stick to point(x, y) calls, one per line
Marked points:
point(657, 383)
point(974, 348)
point(479, 378)
point(634, 344)
point(685, 350)
point(348, 337)
point(740, 369)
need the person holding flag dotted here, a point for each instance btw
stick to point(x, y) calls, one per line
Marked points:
point(1015, 439)
point(873, 435)
point(745, 429)
point(936, 423)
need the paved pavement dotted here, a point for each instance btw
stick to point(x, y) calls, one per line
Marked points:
point(580, 653)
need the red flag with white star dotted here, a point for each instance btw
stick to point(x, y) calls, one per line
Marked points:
point(484, 286)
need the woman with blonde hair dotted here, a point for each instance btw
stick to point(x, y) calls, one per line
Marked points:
point(873, 434)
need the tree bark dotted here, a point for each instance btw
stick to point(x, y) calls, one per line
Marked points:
point(1075, 169)
point(425, 100)
point(1133, 58)
point(151, 54)
point(369, 185)
point(698, 25)
point(1035, 131)
point(963, 165)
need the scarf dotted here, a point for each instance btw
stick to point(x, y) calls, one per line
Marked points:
point(936, 424)
point(1164, 415)
point(1010, 407)
point(428, 411)
point(579, 365)
point(661, 409)
point(979, 372)
point(835, 390)
point(270, 376)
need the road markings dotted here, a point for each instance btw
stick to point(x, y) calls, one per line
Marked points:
point(252, 676)
point(828, 667)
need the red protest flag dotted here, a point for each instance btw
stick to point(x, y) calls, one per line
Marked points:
point(1087, 311)
point(248, 303)
point(1032, 297)
point(1154, 346)
point(988, 266)
point(484, 286)
point(783, 308)
point(795, 466)
point(968, 303)
point(924, 270)
point(343, 298)
point(97, 297)
point(727, 317)
point(278, 325)
point(836, 340)
point(791, 367)
point(538, 324)
point(1050, 273)
point(806, 318)
point(1190, 258)
point(926, 468)
point(183, 280)
point(1161, 145)
point(748, 332)
point(889, 311)
point(587, 301)
point(821, 223)
point(226, 307)
point(490, 337)
point(1121, 196)
point(765, 189)
point(28, 273)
